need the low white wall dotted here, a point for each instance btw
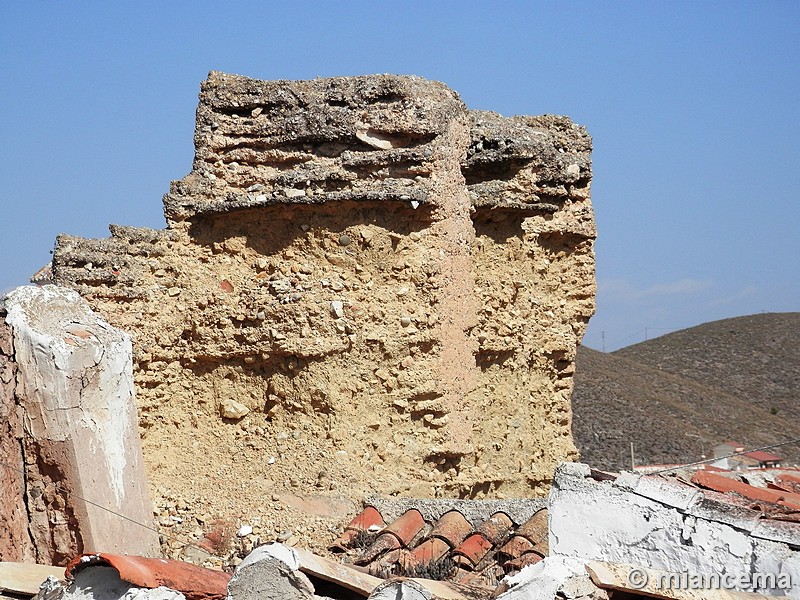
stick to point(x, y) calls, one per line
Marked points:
point(652, 522)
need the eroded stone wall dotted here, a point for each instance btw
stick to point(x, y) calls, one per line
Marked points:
point(390, 286)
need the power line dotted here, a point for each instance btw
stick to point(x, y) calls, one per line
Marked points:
point(710, 460)
point(644, 331)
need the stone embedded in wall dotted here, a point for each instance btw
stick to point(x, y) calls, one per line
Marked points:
point(76, 428)
point(400, 281)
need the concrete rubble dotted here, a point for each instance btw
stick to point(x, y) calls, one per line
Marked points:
point(554, 577)
point(270, 573)
point(104, 583)
point(666, 525)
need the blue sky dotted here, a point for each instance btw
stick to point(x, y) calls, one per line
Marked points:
point(694, 108)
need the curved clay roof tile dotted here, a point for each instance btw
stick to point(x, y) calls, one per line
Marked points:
point(196, 583)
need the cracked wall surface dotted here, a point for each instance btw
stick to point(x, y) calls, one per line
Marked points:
point(362, 286)
point(15, 542)
point(641, 520)
point(70, 440)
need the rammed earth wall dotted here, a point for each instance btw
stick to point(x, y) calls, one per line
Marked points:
point(397, 281)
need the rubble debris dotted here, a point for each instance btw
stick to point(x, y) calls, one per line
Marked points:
point(104, 583)
point(665, 523)
point(270, 573)
point(553, 577)
point(231, 409)
point(343, 575)
point(400, 590)
point(278, 571)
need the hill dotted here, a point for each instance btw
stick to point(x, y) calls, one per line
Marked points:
point(677, 396)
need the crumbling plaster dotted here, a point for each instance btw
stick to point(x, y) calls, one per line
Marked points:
point(75, 415)
point(663, 525)
point(15, 541)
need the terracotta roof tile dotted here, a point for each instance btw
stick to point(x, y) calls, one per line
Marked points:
point(367, 520)
point(450, 547)
point(530, 558)
point(496, 527)
point(766, 494)
point(515, 547)
point(453, 528)
point(387, 563)
point(196, 583)
point(536, 529)
point(722, 483)
point(383, 544)
point(790, 483)
point(757, 455)
point(407, 526)
point(486, 578)
point(543, 547)
point(762, 456)
point(432, 549)
point(472, 551)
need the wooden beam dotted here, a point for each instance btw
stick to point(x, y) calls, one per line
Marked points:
point(648, 582)
point(25, 578)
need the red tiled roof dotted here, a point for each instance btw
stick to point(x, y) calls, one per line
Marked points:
point(769, 494)
point(449, 548)
point(471, 551)
point(787, 482)
point(453, 528)
point(196, 583)
point(722, 483)
point(761, 456)
point(407, 526)
point(757, 455)
point(366, 520)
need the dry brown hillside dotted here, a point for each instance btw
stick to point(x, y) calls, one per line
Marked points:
point(677, 396)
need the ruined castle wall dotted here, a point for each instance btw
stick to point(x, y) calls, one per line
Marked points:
point(363, 286)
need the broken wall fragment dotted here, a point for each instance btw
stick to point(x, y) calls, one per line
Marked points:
point(74, 422)
point(15, 542)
